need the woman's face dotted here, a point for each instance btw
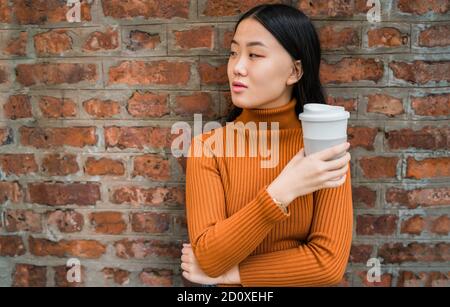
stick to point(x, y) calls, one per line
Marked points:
point(259, 61)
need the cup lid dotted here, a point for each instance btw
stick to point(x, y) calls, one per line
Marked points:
point(323, 112)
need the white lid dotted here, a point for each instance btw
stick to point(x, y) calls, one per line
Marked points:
point(318, 112)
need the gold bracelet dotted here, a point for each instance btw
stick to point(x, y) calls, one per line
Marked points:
point(280, 204)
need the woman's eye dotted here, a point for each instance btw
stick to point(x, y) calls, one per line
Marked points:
point(232, 53)
point(255, 55)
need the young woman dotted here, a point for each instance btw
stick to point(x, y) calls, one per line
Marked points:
point(288, 225)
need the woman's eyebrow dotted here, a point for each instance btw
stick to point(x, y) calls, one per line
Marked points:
point(249, 44)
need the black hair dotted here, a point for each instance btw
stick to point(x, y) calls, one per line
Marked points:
point(296, 33)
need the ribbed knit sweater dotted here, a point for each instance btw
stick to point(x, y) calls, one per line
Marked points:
point(233, 220)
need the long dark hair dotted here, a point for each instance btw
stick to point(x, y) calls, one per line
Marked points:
point(295, 32)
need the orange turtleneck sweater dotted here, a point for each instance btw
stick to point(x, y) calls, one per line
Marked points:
point(233, 220)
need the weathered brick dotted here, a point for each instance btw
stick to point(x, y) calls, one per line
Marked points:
point(368, 224)
point(414, 252)
point(156, 277)
point(362, 137)
point(350, 70)
point(57, 137)
point(428, 137)
point(421, 7)
point(18, 164)
point(119, 276)
point(17, 45)
point(102, 41)
point(55, 73)
point(137, 137)
point(151, 166)
point(423, 279)
point(148, 104)
point(53, 42)
point(52, 107)
point(198, 103)
point(101, 108)
point(23, 220)
point(332, 38)
point(431, 105)
point(18, 106)
point(61, 279)
point(28, 275)
point(427, 168)
point(60, 164)
point(199, 37)
point(387, 37)
point(364, 197)
point(146, 9)
point(65, 248)
point(360, 253)
point(66, 221)
point(421, 72)
point(213, 74)
point(435, 36)
point(385, 104)
point(141, 40)
point(61, 194)
point(11, 246)
point(146, 248)
point(414, 198)
point(108, 222)
point(230, 8)
point(148, 196)
point(10, 191)
point(150, 222)
point(379, 167)
point(416, 224)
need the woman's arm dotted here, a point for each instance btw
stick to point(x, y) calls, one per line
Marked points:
point(219, 242)
point(320, 261)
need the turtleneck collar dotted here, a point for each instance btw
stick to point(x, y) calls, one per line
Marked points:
point(284, 114)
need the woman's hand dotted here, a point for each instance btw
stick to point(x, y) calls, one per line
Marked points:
point(303, 175)
point(193, 272)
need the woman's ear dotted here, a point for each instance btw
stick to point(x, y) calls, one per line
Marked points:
point(297, 73)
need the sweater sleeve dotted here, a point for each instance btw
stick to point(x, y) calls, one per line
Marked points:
point(322, 259)
point(219, 241)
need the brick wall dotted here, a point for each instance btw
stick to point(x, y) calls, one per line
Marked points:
point(86, 111)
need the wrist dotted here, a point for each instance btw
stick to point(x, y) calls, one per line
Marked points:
point(278, 195)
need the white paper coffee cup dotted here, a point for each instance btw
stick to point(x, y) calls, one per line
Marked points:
point(323, 126)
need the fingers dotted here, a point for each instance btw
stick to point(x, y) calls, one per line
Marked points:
point(186, 267)
point(338, 163)
point(186, 258)
point(336, 174)
point(335, 183)
point(330, 153)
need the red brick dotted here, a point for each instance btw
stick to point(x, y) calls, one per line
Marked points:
point(18, 106)
point(421, 72)
point(6, 136)
point(150, 73)
point(55, 73)
point(101, 108)
point(156, 277)
point(66, 221)
point(379, 167)
point(150, 222)
point(350, 70)
point(414, 252)
point(57, 137)
point(331, 38)
point(427, 168)
point(11, 246)
point(5, 11)
point(3, 75)
point(148, 104)
point(148, 197)
point(46, 11)
point(18, 164)
point(148, 9)
point(28, 275)
point(386, 37)
point(412, 199)
point(332, 8)
point(385, 104)
point(141, 40)
point(435, 36)
point(145, 248)
point(10, 191)
point(349, 104)
point(230, 8)
point(120, 277)
point(151, 166)
point(17, 45)
point(385, 280)
point(61, 194)
point(199, 37)
point(213, 74)
point(104, 167)
point(102, 41)
point(416, 224)
point(180, 225)
point(61, 277)
point(431, 105)
point(23, 220)
point(428, 137)
point(423, 279)
point(60, 164)
point(421, 7)
point(108, 222)
point(137, 137)
point(78, 248)
point(371, 224)
point(198, 103)
point(53, 42)
point(52, 107)
point(362, 137)
point(364, 197)
point(360, 253)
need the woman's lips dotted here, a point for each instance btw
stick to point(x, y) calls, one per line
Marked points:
point(238, 89)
